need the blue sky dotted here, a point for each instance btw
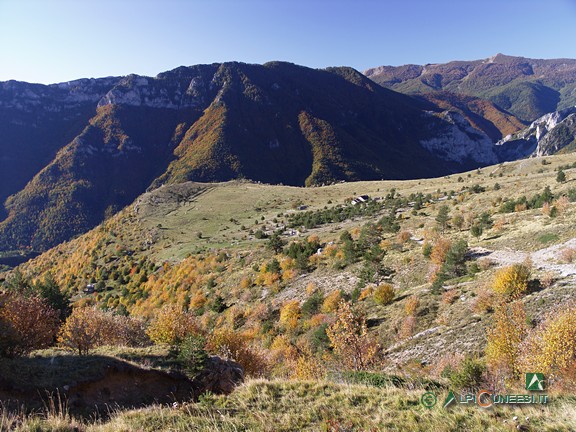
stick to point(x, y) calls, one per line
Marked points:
point(59, 40)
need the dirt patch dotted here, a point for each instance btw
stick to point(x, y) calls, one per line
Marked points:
point(546, 259)
point(100, 383)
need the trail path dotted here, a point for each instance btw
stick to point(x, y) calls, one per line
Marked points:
point(547, 259)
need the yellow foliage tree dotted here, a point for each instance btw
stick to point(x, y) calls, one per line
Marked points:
point(349, 337)
point(172, 325)
point(507, 332)
point(331, 302)
point(411, 305)
point(512, 281)
point(290, 314)
point(551, 347)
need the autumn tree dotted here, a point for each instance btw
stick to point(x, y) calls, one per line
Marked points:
point(290, 314)
point(171, 326)
point(239, 347)
point(28, 323)
point(349, 337)
point(504, 337)
point(82, 330)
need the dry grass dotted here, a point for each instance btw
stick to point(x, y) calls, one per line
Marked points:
point(314, 406)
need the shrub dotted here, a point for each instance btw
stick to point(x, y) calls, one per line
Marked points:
point(484, 301)
point(427, 249)
point(384, 294)
point(28, 323)
point(512, 281)
point(468, 376)
point(547, 279)
point(403, 237)
point(567, 255)
point(449, 296)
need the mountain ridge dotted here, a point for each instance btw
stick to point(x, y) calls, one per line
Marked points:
point(274, 123)
point(75, 153)
point(528, 88)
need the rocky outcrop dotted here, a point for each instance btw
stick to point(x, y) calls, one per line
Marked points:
point(457, 141)
point(220, 376)
point(550, 134)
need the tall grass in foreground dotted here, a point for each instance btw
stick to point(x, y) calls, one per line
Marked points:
point(282, 405)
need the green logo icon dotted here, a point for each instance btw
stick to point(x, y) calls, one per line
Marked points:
point(534, 381)
point(428, 399)
point(449, 399)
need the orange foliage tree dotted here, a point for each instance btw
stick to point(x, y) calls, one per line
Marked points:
point(28, 324)
point(239, 346)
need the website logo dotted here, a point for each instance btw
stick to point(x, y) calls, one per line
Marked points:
point(428, 399)
point(535, 381)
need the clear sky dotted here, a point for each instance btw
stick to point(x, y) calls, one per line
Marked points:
point(51, 41)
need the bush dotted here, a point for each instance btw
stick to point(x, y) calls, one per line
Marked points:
point(384, 294)
point(235, 345)
point(468, 376)
point(512, 281)
point(27, 323)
